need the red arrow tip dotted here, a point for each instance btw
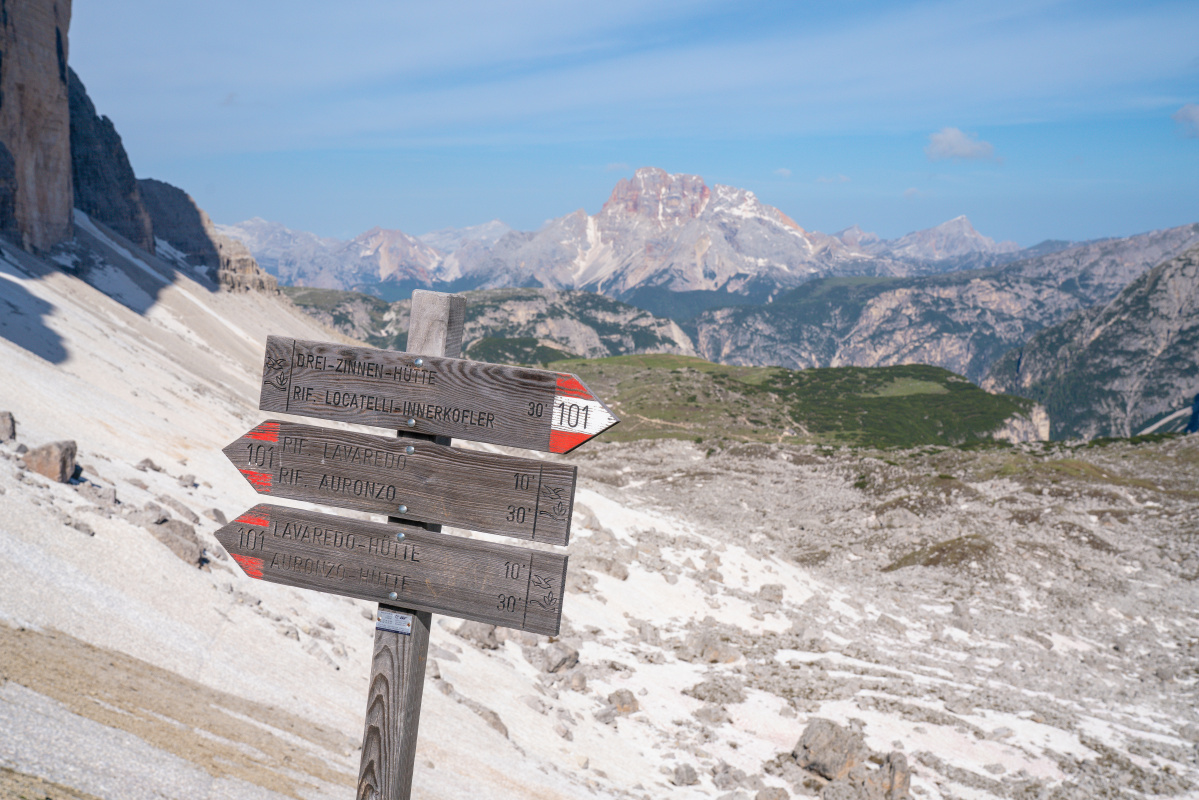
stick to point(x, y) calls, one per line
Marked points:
point(261, 481)
point(265, 432)
point(250, 565)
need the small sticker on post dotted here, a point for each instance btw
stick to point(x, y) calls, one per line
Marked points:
point(394, 622)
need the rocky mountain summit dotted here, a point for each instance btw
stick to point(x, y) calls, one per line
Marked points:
point(962, 321)
point(658, 237)
point(1113, 369)
point(952, 245)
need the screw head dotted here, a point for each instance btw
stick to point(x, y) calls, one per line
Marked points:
point(392, 595)
point(420, 362)
point(401, 509)
point(409, 449)
point(411, 422)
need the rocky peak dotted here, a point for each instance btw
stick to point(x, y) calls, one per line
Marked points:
point(447, 240)
point(957, 237)
point(184, 225)
point(397, 254)
point(854, 236)
point(668, 201)
point(105, 187)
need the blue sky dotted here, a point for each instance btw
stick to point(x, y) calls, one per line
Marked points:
point(1036, 119)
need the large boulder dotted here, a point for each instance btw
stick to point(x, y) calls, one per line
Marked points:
point(8, 426)
point(829, 749)
point(55, 460)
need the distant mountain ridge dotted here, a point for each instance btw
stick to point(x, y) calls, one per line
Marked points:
point(963, 321)
point(657, 233)
point(1111, 369)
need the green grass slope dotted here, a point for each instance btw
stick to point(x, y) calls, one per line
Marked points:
point(660, 396)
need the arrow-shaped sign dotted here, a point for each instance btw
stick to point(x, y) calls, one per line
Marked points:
point(409, 478)
point(530, 408)
point(495, 583)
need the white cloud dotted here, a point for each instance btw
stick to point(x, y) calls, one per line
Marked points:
point(834, 179)
point(783, 171)
point(617, 166)
point(1188, 118)
point(953, 143)
point(908, 194)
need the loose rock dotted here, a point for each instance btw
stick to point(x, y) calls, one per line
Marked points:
point(684, 775)
point(8, 426)
point(55, 460)
point(624, 701)
point(479, 633)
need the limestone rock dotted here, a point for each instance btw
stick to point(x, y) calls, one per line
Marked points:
point(8, 426)
point(772, 793)
point(684, 775)
point(36, 195)
point(105, 186)
point(559, 657)
point(181, 539)
point(624, 702)
point(828, 749)
point(55, 460)
point(479, 633)
point(771, 593)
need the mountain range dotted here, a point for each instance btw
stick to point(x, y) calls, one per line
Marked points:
point(963, 321)
point(1116, 368)
point(658, 239)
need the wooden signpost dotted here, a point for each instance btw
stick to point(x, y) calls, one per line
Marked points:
point(530, 408)
point(488, 492)
point(495, 583)
point(420, 483)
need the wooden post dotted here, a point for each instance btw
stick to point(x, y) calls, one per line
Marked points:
point(398, 666)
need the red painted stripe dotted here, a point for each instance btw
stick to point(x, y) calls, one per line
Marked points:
point(266, 432)
point(259, 480)
point(250, 565)
point(248, 518)
point(570, 386)
point(565, 441)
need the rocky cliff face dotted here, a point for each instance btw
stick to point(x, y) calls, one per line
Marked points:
point(184, 225)
point(1109, 370)
point(105, 187)
point(962, 321)
point(35, 144)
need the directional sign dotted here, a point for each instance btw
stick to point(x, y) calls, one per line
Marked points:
point(418, 480)
point(530, 408)
point(495, 583)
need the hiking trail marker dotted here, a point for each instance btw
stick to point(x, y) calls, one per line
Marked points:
point(420, 483)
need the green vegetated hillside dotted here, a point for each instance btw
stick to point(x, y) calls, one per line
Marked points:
point(902, 406)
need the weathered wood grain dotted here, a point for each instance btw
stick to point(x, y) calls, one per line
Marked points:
point(519, 497)
point(398, 667)
point(495, 583)
point(528, 408)
point(393, 709)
